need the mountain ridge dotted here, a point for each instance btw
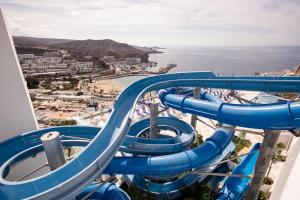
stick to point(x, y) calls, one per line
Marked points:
point(89, 47)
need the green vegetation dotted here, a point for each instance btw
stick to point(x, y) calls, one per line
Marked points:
point(198, 191)
point(198, 140)
point(32, 83)
point(73, 83)
point(47, 83)
point(79, 93)
point(241, 142)
point(263, 195)
point(138, 194)
point(194, 192)
point(268, 181)
point(235, 158)
point(277, 156)
point(62, 122)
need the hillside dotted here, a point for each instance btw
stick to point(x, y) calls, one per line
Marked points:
point(80, 48)
point(33, 42)
point(101, 48)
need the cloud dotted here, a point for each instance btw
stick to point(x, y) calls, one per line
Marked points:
point(282, 4)
point(163, 22)
point(72, 13)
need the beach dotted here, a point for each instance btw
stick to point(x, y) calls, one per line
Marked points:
point(106, 86)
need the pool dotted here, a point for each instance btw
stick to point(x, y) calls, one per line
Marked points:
point(264, 98)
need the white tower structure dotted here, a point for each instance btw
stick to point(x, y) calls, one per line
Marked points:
point(16, 111)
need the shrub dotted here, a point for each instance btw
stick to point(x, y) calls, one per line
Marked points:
point(263, 195)
point(198, 140)
point(280, 145)
point(79, 93)
point(268, 181)
point(240, 143)
point(32, 83)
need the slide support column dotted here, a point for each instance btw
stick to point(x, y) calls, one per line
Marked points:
point(263, 162)
point(53, 149)
point(153, 120)
point(194, 117)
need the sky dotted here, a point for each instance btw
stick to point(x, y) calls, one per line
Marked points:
point(159, 22)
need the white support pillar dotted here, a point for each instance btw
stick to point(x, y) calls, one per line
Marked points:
point(53, 149)
point(16, 110)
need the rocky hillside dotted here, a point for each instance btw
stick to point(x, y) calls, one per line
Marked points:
point(101, 48)
point(80, 48)
point(33, 42)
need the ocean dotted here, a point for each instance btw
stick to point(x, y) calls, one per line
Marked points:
point(226, 61)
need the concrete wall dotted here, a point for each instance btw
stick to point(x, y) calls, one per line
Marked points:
point(287, 185)
point(16, 111)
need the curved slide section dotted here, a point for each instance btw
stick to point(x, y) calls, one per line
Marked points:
point(103, 192)
point(165, 165)
point(138, 145)
point(68, 181)
point(281, 116)
point(184, 134)
point(213, 150)
point(234, 188)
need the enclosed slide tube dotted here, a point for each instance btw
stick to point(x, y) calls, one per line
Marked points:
point(234, 188)
point(69, 180)
point(278, 116)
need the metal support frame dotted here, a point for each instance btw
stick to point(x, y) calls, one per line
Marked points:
point(240, 99)
point(222, 174)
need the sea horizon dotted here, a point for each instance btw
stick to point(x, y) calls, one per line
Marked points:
point(226, 60)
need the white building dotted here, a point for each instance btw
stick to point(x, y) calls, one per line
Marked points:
point(80, 65)
point(59, 66)
point(108, 58)
point(52, 60)
point(27, 61)
point(27, 56)
point(133, 61)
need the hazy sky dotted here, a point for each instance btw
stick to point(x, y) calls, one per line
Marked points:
point(159, 22)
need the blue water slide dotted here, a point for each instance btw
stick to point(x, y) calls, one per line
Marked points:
point(276, 116)
point(68, 181)
point(184, 134)
point(234, 188)
point(176, 163)
point(139, 145)
point(212, 151)
point(103, 191)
